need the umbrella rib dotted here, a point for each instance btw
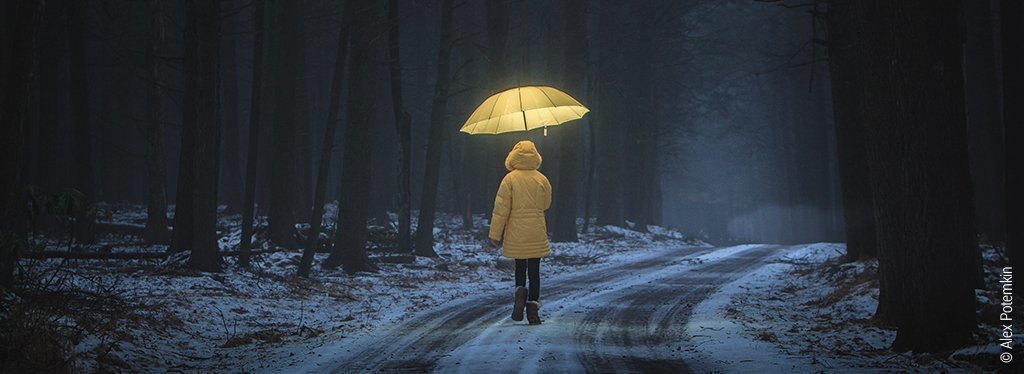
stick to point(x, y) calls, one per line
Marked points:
point(548, 108)
point(552, 103)
point(571, 107)
point(546, 95)
point(491, 115)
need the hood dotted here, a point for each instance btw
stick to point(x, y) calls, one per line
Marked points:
point(524, 156)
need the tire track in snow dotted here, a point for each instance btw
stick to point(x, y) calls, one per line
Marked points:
point(416, 344)
point(627, 307)
point(636, 332)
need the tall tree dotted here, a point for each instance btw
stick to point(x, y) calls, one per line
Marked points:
point(640, 148)
point(303, 182)
point(81, 146)
point(330, 128)
point(156, 201)
point(1011, 15)
point(201, 60)
point(282, 190)
point(403, 124)
point(492, 150)
point(855, 182)
point(919, 169)
point(21, 59)
point(608, 125)
point(983, 125)
point(353, 205)
point(873, 47)
point(588, 193)
point(438, 108)
point(51, 172)
point(252, 158)
point(564, 223)
point(181, 237)
point(230, 189)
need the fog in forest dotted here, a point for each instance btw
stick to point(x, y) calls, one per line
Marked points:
point(742, 123)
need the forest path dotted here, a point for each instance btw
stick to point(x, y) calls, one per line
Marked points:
point(622, 317)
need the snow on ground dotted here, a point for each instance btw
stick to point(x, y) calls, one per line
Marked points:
point(505, 342)
point(265, 318)
point(806, 311)
point(803, 312)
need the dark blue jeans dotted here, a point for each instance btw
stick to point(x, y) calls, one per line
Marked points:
point(529, 267)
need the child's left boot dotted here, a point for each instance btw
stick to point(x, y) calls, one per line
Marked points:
point(519, 303)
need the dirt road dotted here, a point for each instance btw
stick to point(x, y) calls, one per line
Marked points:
point(626, 317)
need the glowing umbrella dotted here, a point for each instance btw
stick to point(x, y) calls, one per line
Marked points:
point(523, 109)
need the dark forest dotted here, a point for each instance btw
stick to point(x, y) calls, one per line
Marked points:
point(358, 185)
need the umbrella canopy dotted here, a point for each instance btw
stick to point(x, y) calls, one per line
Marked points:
point(523, 109)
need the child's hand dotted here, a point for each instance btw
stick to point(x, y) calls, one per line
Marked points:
point(494, 243)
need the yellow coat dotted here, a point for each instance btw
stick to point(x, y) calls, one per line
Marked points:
point(519, 208)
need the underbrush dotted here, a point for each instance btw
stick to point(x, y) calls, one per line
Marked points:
point(54, 309)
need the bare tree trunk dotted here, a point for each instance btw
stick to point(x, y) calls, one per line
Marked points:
point(456, 153)
point(609, 132)
point(303, 129)
point(919, 166)
point(251, 165)
point(330, 128)
point(21, 59)
point(654, 178)
point(231, 173)
point(592, 95)
point(849, 124)
point(202, 55)
point(461, 165)
point(354, 202)
point(564, 223)
point(81, 147)
point(181, 237)
point(205, 250)
point(51, 171)
point(493, 149)
point(591, 164)
point(465, 179)
point(403, 124)
point(639, 153)
point(983, 125)
point(1012, 21)
point(425, 229)
point(282, 191)
point(791, 180)
point(51, 164)
point(156, 171)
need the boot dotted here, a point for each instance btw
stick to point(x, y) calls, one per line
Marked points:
point(520, 302)
point(532, 307)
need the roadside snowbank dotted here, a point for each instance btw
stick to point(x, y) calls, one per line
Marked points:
point(806, 311)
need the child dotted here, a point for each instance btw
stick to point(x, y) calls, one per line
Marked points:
point(518, 218)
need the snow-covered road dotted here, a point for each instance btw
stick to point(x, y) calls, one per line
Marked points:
point(618, 317)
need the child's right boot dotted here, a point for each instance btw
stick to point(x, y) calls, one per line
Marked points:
point(532, 312)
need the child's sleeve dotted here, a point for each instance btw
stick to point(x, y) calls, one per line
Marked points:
point(502, 209)
point(547, 193)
